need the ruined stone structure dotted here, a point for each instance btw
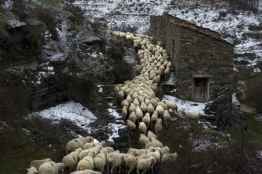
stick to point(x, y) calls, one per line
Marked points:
point(202, 61)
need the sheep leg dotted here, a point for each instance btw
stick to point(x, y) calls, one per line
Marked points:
point(119, 169)
point(112, 170)
point(137, 171)
point(108, 169)
point(129, 170)
point(152, 169)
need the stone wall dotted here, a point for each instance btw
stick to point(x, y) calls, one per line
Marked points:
point(195, 52)
point(246, 4)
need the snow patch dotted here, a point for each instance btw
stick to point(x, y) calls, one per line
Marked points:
point(189, 108)
point(100, 88)
point(72, 111)
point(235, 100)
point(114, 113)
point(123, 15)
point(134, 16)
point(8, 4)
point(115, 127)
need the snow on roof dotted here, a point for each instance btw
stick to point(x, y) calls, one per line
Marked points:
point(194, 27)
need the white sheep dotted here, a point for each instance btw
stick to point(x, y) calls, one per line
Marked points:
point(37, 163)
point(156, 154)
point(144, 107)
point(151, 135)
point(132, 108)
point(192, 114)
point(154, 116)
point(107, 150)
point(48, 167)
point(77, 143)
point(143, 139)
point(132, 117)
point(164, 150)
point(164, 105)
point(90, 152)
point(160, 109)
point(158, 126)
point(125, 111)
point(121, 94)
point(147, 101)
point(139, 112)
point(137, 152)
point(130, 162)
point(129, 99)
point(86, 172)
point(136, 101)
point(60, 166)
point(86, 163)
point(88, 145)
point(166, 116)
point(171, 104)
point(70, 160)
point(100, 161)
point(154, 143)
point(150, 108)
point(169, 157)
point(141, 99)
point(131, 125)
point(146, 119)
point(167, 70)
point(142, 127)
point(115, 160)
point(32, 170)
point(144, 164)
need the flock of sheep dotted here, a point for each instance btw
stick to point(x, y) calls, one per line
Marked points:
point(86, 155)
point(143, 111)
point(141, 107)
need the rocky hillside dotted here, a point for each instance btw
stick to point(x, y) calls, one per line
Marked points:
point(242, 28)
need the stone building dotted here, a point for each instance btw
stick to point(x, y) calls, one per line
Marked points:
point(202, 60)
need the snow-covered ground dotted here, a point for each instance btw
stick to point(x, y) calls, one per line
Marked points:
point(124, 15)
point(115, 127)
point(134, 15)
point(82, 117)
point(72, 111)
point(235, 28)
point(8, 4)
point(188, 108)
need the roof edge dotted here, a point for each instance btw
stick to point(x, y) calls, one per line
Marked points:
point(194, 27)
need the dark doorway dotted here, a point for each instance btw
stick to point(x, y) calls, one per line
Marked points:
point(201, 89)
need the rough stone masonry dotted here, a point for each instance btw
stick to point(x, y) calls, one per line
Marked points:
point(201, 59)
